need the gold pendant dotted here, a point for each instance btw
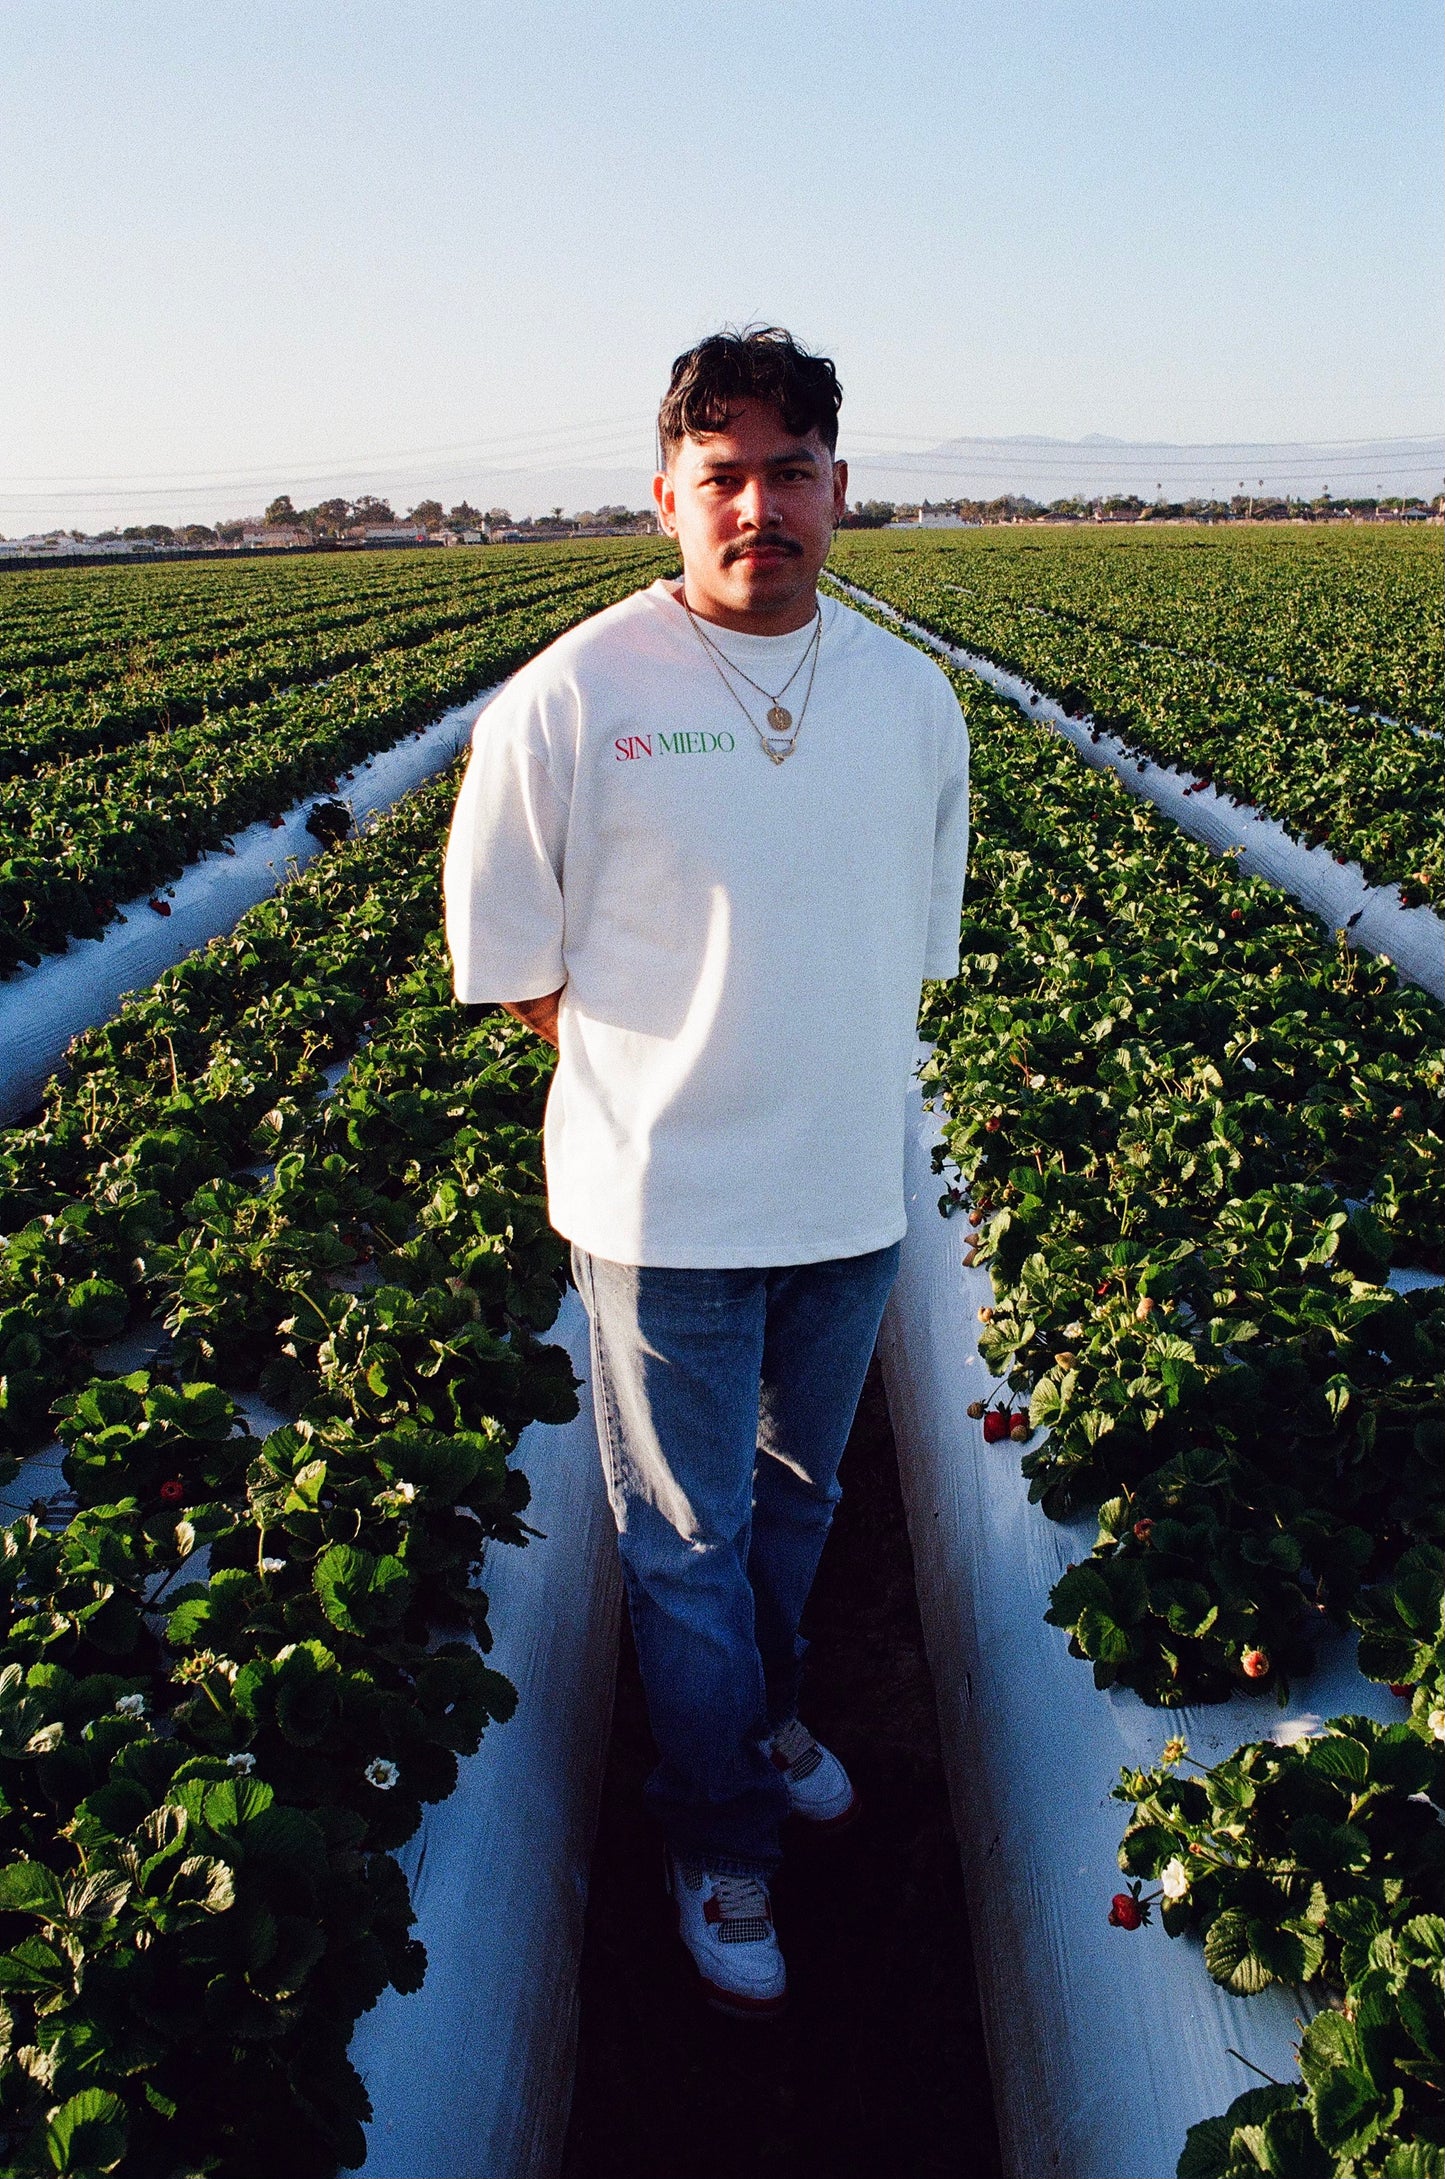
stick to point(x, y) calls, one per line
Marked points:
point(779, 719)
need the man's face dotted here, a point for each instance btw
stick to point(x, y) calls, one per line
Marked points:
point(753, 508)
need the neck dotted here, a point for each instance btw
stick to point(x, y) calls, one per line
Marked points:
point(773, 620)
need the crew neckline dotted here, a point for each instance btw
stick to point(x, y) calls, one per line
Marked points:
point(728, 639)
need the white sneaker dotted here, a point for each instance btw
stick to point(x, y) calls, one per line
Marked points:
point(819, 1789)
point(726, 1922)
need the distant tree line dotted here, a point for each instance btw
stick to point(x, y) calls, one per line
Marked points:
point(876, 514)
point(332, 521)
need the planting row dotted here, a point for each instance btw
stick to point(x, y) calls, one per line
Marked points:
point(1372, 789)
point(108, 620)
point(1192, 1139)
point(201, 1781)
point(105, 828)
point(105, 702)
point(194, 1079)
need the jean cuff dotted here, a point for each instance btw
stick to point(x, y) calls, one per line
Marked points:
point(727, 1864)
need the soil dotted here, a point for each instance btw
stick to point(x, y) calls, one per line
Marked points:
point(877, 2068)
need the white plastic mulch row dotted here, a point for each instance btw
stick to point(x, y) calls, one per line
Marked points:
point(1105, 2044)
point(471, 2076)
point(1413, 939)
point(43, 1007)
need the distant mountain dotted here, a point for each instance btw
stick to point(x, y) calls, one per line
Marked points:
point(1042, 468)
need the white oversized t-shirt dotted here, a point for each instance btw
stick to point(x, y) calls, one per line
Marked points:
point(741, 943)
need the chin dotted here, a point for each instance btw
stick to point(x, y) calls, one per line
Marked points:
point(756, 585)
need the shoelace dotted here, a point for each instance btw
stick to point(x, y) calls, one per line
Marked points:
point(795, 1750)
point(743, 1915)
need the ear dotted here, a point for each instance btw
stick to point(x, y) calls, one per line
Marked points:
point(840, 492)
point(665, 500)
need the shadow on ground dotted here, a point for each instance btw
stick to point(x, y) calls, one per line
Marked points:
point(878, 2067)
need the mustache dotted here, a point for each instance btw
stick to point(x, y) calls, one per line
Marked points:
point(746, 545)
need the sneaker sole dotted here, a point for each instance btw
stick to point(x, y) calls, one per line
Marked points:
point(738, 2008)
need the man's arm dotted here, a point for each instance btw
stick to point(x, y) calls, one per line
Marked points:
point(540, 1015)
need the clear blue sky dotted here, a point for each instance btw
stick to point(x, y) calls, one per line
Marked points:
point(254, 241)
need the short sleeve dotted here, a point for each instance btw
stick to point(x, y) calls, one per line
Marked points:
point(502, 878)
point(950, 841)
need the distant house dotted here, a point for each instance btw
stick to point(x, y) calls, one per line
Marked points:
point(396, 533)
point(56, 546)
point(273, 537)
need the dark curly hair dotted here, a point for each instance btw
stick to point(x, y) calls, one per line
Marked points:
point(759, 363)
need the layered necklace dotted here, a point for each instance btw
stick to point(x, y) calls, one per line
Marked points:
point(780, 738)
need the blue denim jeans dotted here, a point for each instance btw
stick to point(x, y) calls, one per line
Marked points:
point(723, 1402)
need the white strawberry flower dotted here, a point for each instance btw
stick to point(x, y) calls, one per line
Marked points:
point(131, 1705)
point(243, 1761)
point(1437, 1724)
point(1174, 1879)
point(381, 1774)
point(396, 1494)
point(273, 1566)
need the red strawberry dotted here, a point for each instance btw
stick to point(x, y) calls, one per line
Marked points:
point(992, 1125)
point(275, 823)
point(1144, 1529)
point(1236, 915)
point(173, 1491)
point(161, 907)
point(1254, 1663)
point(995, 1426)
point(1403, 1689)
point(1125, 1911)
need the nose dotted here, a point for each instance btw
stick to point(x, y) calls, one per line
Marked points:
point(755, 506)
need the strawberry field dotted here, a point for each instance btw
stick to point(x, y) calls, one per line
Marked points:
point(132, 744)
point(236, 1665)
point(1300, 676)
point(1199, 1147)
point(1195, 1141)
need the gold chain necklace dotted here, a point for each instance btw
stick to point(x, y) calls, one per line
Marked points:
point(783, 739)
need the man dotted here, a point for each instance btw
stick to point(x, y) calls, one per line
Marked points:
point(709, 844)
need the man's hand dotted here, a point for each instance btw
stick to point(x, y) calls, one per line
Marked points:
point(540, 1015)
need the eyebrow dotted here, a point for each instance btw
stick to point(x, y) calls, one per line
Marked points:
point(802, 454)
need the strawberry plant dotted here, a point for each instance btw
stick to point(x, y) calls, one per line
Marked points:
point(1318, 1864)
point(206, 1776)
